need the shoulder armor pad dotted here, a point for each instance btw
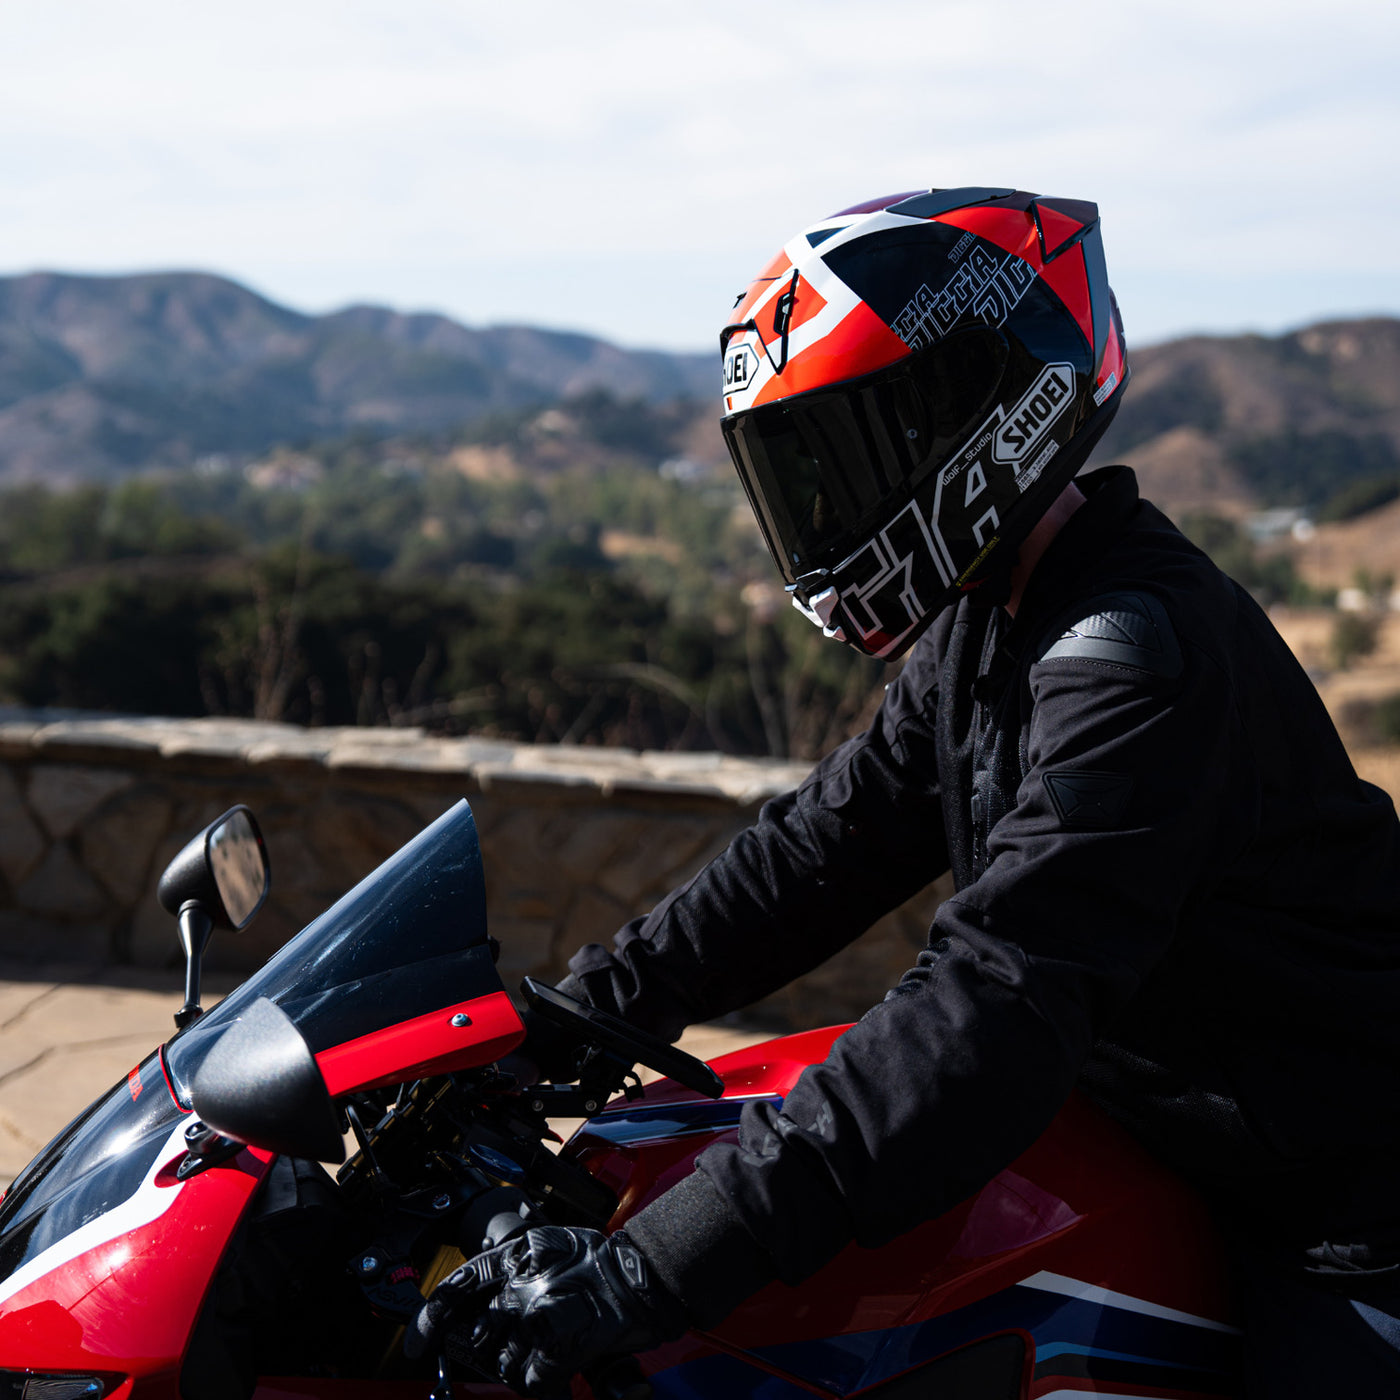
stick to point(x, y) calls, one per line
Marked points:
point(1123, 629)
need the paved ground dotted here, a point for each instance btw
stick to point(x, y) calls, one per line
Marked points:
point(67, 1033)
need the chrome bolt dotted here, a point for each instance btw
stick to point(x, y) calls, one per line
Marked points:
point(442, 1202)
point(461, 1019)
point(369, 1264)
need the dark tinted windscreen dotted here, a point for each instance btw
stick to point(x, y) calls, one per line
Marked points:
point(408, 939)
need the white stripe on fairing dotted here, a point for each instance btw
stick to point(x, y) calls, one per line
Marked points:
point(149, 1202)
point(1092, 1293)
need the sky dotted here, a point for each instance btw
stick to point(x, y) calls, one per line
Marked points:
point(625, 168)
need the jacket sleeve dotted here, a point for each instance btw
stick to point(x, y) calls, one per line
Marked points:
point(862, 834)
point(967, 1060)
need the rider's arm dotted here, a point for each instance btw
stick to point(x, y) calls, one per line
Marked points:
point(968, 1059)
point(862, 834)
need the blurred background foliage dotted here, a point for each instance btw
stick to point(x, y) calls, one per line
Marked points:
point(555, 576)
point(563, 574)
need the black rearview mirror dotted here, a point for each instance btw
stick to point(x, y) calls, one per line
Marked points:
point(238, 863)
point(219, 880)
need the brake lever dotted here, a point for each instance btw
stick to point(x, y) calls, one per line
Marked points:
point(442, 1389)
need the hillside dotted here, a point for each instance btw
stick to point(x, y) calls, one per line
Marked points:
point(102, 375)
point(1235, 424)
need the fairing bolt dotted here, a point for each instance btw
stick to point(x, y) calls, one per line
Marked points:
point(442, 1202)
point(461, 1019)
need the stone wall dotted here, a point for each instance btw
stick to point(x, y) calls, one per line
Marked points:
point(575, 840)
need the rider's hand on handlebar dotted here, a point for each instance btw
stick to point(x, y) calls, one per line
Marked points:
point(545, 1305)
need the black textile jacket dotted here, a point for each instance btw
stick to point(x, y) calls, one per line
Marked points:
point(1172, 891)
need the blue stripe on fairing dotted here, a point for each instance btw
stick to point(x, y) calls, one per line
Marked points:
point(1054, 1349)
point(1059, 1324)
point(855, 1361)
point(628, 1127)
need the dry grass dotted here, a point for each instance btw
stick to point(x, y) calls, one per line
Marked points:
point(1331, 558)
point(1350, 693)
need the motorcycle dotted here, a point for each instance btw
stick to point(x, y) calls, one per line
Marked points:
point(180, 1238)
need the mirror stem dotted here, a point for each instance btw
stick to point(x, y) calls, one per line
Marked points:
point(195, 928)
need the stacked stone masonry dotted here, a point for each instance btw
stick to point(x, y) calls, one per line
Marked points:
point(575, 840)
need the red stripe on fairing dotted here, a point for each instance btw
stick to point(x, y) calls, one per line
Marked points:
point(428, 1044)
point(170, 1083)
point(1010, 229)
point(861, 344)
point(1067, 278)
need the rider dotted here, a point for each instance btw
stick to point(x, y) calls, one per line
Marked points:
point(1172, 889)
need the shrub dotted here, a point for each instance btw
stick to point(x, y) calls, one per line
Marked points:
point(1386, 719)
point(1354, 635)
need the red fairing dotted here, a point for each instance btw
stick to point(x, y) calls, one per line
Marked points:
point(430, 1044)
point(1085, 1202)
point(128, 1303)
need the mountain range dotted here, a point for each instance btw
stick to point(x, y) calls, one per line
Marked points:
point(102, 375)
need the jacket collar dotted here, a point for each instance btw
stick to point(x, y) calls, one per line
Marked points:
point(1083, 540)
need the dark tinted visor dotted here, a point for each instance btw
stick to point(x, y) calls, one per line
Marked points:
point(819, 466)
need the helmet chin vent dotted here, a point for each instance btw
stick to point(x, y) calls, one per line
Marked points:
point(819, 611)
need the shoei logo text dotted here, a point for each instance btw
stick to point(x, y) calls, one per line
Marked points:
point(1037, 409)
point(739, 365)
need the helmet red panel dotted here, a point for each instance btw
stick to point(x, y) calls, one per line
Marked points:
point(1066, 276)
point(861, 344)
point(807, 302)
point(780, 266)
point(1010, 229)
point(1057, 228)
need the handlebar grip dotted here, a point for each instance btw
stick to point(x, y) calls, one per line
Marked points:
point(619, 1378)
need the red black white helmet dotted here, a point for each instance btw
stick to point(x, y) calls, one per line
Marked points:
point(908, 386)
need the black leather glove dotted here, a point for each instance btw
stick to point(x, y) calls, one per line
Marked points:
point(548, 1304)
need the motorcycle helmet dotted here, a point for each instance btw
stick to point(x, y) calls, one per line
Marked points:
point(908, 386)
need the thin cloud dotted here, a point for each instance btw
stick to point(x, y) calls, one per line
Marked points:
point(623, 168)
